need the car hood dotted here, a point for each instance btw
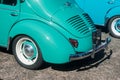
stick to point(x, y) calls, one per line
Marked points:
point(64, 13)
point(46, 8)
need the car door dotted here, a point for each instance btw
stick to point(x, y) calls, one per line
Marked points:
point(9, 13)
point(97, 9)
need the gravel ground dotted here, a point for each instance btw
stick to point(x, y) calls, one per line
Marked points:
point(101, 68)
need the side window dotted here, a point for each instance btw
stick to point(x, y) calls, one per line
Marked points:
point(9, 2)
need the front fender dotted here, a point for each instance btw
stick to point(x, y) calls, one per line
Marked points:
point(113, 12)
point(54, 46)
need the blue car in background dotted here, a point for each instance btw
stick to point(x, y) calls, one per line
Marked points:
point(104, 13)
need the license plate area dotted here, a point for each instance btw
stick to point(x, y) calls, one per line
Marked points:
point(96, 37)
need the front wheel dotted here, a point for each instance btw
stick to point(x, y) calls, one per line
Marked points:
point(114, 26)
point(26, 52)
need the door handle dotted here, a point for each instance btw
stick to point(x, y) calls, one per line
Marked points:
point(14, 14)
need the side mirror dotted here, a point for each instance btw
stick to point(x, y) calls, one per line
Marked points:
point(21, 1)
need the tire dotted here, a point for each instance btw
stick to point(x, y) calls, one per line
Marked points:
point(27, 53)
point(114, 26)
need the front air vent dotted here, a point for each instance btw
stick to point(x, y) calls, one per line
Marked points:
point(89, 21)
point(80, 23)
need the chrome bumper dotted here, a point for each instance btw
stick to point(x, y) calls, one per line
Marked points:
point(92, 52)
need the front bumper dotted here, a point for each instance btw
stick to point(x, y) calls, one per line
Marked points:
point(92, 52)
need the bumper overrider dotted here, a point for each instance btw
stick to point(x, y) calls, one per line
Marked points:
point(91, 52)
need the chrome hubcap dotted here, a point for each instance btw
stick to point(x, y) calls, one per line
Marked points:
point(117, 25)
point(28, 51)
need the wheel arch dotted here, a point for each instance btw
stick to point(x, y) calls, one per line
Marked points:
point(107, 21)
point(115, 11)
point(114, 31)
point(46, 37)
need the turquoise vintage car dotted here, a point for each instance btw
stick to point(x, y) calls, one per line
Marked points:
point(104, 13)
point(47, 30)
